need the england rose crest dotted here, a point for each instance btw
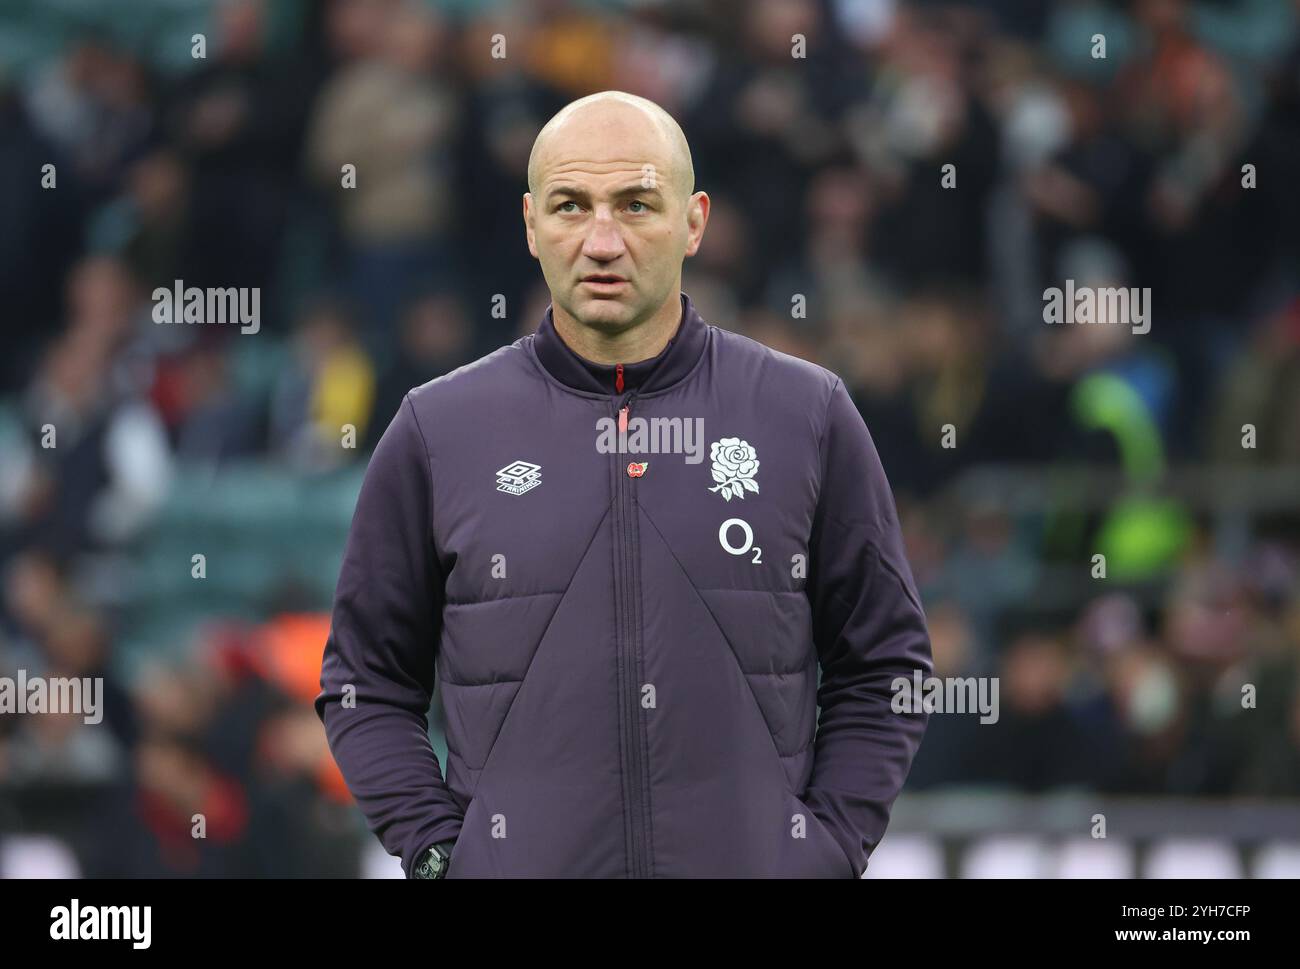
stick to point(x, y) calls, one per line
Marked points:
point(734, 465)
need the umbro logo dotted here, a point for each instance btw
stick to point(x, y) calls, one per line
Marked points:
point(519, 476)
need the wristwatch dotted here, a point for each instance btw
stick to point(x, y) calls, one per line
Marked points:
point(433, 863)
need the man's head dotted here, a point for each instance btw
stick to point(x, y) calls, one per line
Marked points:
point(610, 194)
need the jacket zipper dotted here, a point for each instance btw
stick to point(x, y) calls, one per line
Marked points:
point(626, 603)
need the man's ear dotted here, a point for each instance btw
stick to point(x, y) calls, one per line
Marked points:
point(697, 217)
point(528, 223)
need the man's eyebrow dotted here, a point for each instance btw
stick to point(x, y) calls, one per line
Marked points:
point(574, 191)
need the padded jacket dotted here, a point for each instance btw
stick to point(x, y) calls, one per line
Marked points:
point(663, 648)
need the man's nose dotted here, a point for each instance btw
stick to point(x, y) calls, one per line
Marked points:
point(604, 240)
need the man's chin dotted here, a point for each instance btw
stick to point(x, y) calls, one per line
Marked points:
point(603, 313)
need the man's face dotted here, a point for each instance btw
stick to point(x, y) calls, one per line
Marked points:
point(611, 222)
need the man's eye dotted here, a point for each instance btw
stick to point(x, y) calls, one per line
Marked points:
point(638, 202)
point(560, 207)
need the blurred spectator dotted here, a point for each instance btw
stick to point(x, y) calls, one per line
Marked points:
point(95, 107)
point(210, 422)
point(1038, 742)
point(391, 119)
point(328, 387)
point(94, 462)
point(238, 119)
point(434, 339)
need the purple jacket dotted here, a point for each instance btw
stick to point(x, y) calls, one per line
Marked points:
point(627, 644)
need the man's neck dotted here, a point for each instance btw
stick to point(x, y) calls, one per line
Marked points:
point(640, 342)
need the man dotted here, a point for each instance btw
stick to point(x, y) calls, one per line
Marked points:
point(620, 547)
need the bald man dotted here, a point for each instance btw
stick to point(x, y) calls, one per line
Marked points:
point(615, 281)
point(653, 569)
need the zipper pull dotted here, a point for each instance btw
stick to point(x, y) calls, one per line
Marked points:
point(622, 420)
point(618, 378)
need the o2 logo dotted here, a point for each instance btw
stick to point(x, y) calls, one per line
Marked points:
point(724, 533)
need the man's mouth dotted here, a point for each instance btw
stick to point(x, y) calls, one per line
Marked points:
point(604, 284)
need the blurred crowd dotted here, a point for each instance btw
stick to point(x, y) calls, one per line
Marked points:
point(1170, 163)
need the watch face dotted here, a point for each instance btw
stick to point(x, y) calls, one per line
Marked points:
point(432, 865)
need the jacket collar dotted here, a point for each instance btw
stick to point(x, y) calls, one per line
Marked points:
point(672, 363)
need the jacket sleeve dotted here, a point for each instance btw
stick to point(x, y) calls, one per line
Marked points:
point(378, 670)
point(869, 628)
